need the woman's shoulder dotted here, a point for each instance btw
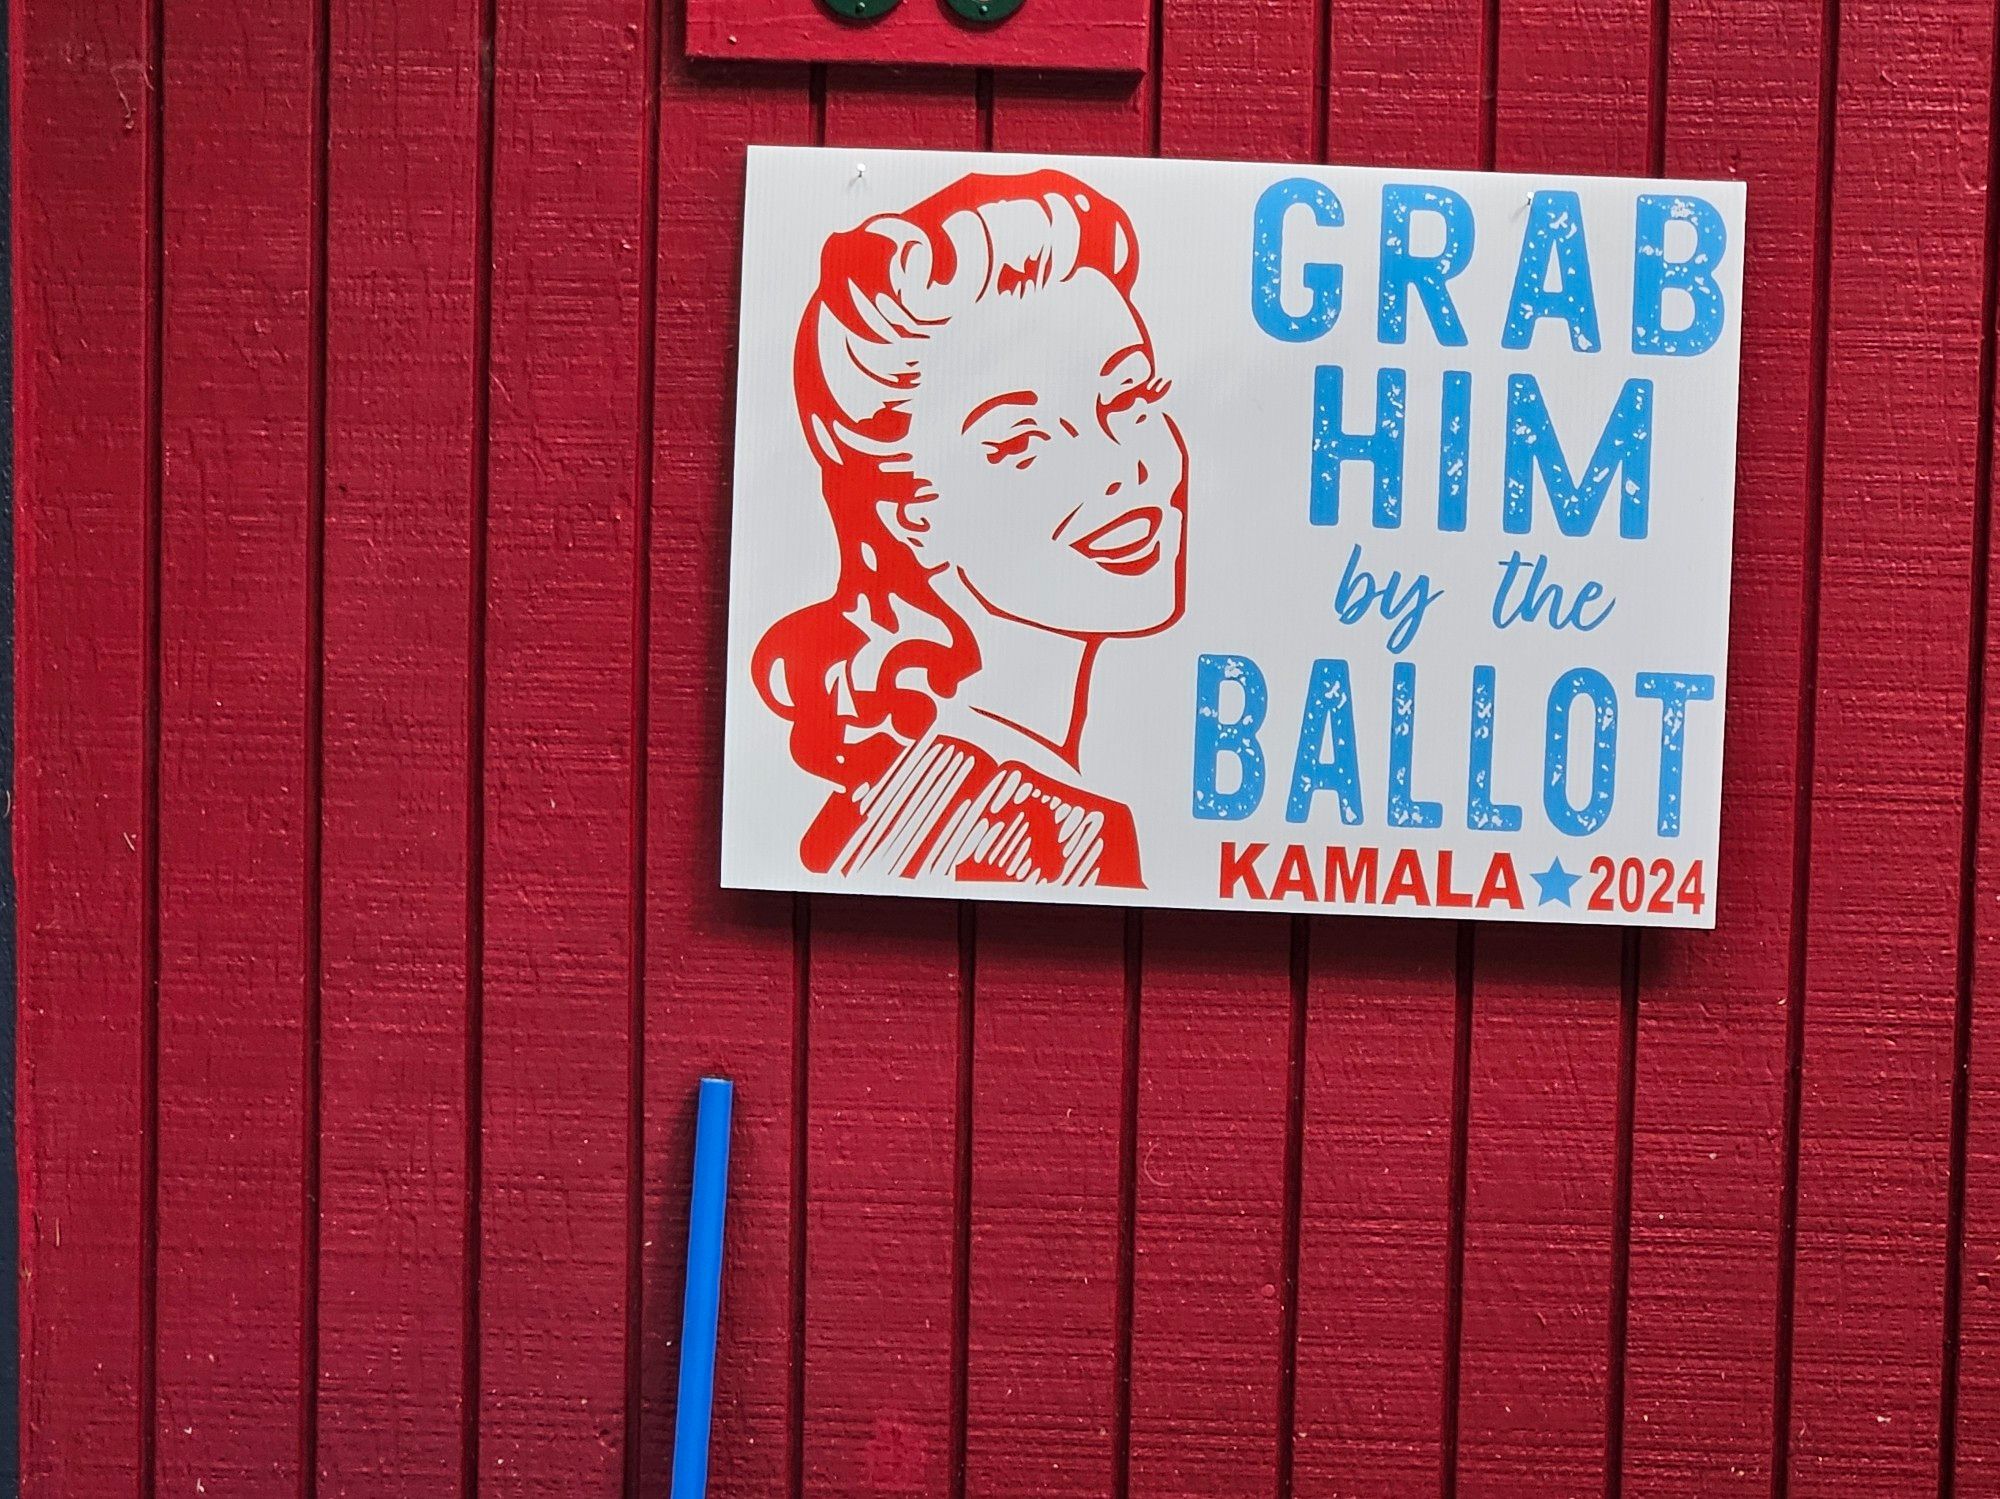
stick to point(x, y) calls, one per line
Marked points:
point(948, 806)
point(879, 825)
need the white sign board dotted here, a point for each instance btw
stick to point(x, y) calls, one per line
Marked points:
point(1180, 533)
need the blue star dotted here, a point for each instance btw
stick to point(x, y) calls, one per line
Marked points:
point(1555, 882)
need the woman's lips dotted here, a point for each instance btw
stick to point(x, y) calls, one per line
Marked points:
point(1127, 544)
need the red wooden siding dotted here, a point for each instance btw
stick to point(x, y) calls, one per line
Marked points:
point(1543, 1273)
point(1055, 1052)
point(1709, 1139)
point(374, 376)
point(1882, 963)
point(396, 860)
point(242, 441)
point(887, 1038)
point(723, 970)
point(87, 496)
point(1382, 1144)
point(559, 637)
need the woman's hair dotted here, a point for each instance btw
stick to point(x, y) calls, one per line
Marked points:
point(859, 674)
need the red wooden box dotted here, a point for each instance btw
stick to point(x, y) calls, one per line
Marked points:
point(1061, 35)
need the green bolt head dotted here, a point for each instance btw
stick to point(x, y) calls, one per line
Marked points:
point(984, 12)
point(861, 10)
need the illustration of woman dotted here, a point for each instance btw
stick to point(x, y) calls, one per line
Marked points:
point(1009, 493)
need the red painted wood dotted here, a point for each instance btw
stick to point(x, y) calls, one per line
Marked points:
point(720, 965)
point(1405, 84)
point(1048, 1089)
point(1060, 112)
point(1078, 35)
point(1542, 1123)
point(395, 980)
point(1976, 1432)
point(887, 1002)
point(82, 231)
point(568, 1401)
point(1242, 92)
point(236, 740)
point(1209, 1241)
point(881, 1208)
point(1047, 1108)
point(1375, 1212)
point(1708, 1135)
point(1573, 88)
point(560, 634)
point(1889, 752)
point(1382, 1007)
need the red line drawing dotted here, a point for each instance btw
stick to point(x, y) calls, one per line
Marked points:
point(1009, 492)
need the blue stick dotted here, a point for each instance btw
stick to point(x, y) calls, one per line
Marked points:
point(704, 1288)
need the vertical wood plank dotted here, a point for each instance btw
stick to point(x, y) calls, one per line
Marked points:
point(1209, 1250)
point(881, 1203)
point(1376, 1191)
point(881, 1404)
point(1902, 431)
point(1047, 1111)
point(1209, 1243)
point(237, 650)
point(1406, 84)
point(84, 227)
point(1543, 1120)
point(1080, 115)
point(1376, 1207)
point(1708, 1150)
point(1573, 87)
point(399, 519)
point(1044, 1332)
point(1541, 1126)
point(1976, 1362)
point(569, 168)
point(720, 974)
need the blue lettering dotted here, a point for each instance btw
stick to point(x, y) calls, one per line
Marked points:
point(1674, 694)
point(1267, 258)
point(1578, 821)
point(1653, 275)
point(1555, 228)
point(1402, 272)
point(1454, 450)
point(1624, 449)
point(1215, 737)
point(1329, 706)
point(1404, 810)
point(1481, 811)
point(1381, 447)
point(1404, 608)
point(1538, 597)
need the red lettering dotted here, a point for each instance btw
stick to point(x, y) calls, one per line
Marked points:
point(1295, 876)
point(1500, 886)
point(1406, 877)
point(1239, 867)
point(1446, 895)
point(1354, 881)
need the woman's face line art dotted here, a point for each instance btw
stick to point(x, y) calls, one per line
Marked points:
point(1008, 492)
point(1052, 480)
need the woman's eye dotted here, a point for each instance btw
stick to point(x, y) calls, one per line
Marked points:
point(1137, 397)
point(1021, 445)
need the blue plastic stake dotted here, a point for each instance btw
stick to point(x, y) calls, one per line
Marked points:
point(704, 1288)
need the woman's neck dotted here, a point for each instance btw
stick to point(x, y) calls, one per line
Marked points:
point(1031, 681)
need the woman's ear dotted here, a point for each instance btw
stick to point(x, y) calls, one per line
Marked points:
point(905, 520)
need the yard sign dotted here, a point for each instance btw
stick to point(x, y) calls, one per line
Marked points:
point(1196, 534)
